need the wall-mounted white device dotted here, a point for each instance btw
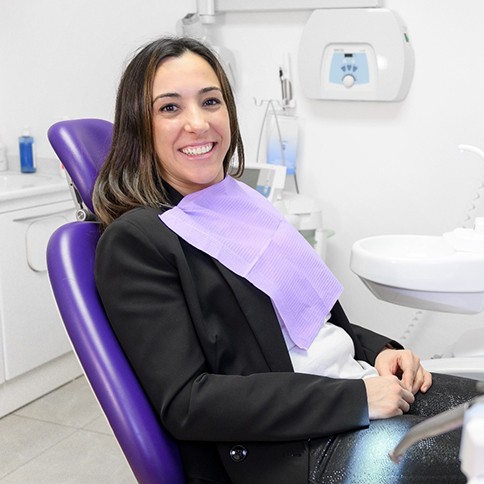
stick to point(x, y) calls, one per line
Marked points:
point(356, 54)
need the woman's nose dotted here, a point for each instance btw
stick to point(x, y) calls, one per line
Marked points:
point(196, 121)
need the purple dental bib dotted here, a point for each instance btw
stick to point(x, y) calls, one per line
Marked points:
point(236, 225)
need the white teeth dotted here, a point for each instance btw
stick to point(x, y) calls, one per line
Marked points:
point(197, 150)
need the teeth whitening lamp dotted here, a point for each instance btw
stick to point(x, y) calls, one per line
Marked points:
point(356, 54)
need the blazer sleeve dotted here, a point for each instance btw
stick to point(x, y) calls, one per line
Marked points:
point(141, 287)
point(373, 343)
point(368, 344)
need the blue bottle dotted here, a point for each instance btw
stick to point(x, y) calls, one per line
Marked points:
point(27, 155)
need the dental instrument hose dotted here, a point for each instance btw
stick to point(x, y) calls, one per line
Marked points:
point(439, 424)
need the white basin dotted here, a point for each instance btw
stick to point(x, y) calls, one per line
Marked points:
point(18, 186)
point(13, 181)
point(424, 272)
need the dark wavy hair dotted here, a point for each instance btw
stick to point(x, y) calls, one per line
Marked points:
point(131, 176)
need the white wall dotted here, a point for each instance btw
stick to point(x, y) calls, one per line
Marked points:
point(63, 58)
point(375, 167)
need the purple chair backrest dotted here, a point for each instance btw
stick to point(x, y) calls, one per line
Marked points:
point(82, 146)
point(153, 456)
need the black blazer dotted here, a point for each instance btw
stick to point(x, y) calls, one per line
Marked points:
point(208, 350)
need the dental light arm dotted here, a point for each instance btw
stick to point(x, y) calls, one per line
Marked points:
point(442, 423)
point(208, 8)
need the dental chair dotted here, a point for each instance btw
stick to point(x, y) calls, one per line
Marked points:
point(82, 146)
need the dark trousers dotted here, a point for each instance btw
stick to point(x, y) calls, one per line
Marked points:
point(362, 457)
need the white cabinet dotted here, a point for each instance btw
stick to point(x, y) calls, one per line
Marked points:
point(32, 337)
point(32, 331)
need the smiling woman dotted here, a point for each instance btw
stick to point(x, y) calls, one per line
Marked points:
point(140, 157)
point(227, 315)
point(191, 126)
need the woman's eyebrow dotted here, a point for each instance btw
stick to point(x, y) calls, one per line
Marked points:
point(167, 94)
point(209, 89)
point(205, 90)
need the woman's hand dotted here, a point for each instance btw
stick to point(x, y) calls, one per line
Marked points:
point(405, 365)
point(401, 377)
point(387, 397)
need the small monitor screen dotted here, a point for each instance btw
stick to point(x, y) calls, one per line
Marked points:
point(261, 179)
point(267, 179)
point(250, 177)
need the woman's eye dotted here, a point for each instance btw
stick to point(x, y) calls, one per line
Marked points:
point(169, 108)
point(213, 101)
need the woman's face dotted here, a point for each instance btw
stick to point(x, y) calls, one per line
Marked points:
point(191, 126)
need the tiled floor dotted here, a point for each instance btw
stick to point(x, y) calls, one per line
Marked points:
point(61, 438)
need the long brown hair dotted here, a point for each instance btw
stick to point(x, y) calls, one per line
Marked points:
point(131, 175)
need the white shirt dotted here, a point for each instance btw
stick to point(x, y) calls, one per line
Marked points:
point(331, 354)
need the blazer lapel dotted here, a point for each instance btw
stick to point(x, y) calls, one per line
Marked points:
point(261, 317)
